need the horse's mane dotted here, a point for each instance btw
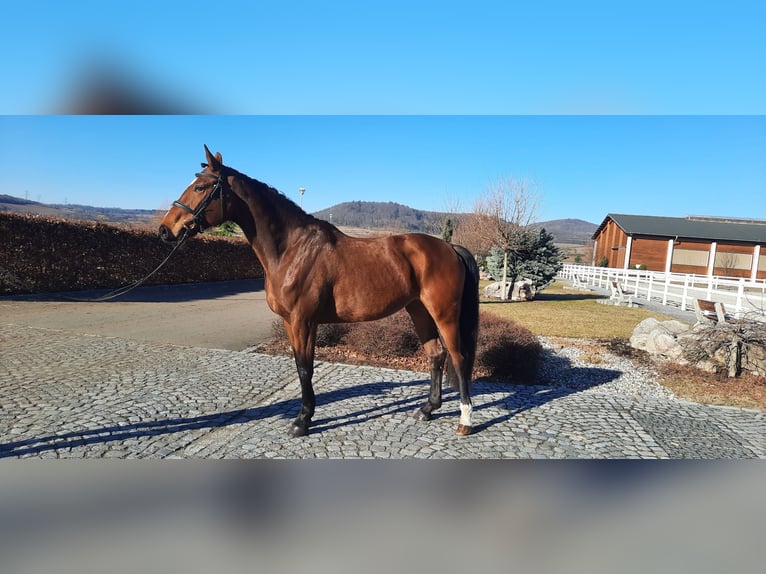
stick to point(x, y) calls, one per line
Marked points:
point(278, 201)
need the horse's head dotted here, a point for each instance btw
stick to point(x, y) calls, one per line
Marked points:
point(200, 205)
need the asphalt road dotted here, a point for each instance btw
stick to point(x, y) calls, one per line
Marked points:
point(229, 315)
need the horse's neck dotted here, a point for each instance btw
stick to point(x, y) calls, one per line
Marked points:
point(265, 223)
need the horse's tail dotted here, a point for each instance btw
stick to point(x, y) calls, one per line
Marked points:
point(469, 317)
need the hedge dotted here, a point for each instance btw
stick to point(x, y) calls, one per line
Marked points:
point(44, 254)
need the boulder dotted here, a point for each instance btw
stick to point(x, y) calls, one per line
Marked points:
point(495, 291)
point(523, 290)
point(640, 336)
point(710, 347)
point(675, 327)
point(754, 360)
point(658, 337)
point(661, 342)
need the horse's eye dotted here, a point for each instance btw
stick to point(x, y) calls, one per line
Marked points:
point(199, 188)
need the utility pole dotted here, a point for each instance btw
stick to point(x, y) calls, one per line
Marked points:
point(302, 190)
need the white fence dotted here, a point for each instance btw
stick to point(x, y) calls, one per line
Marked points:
point(739, 296)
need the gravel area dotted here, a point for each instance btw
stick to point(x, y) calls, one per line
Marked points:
point(571, 367)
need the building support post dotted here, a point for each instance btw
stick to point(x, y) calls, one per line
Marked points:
point(627, 252)
point(669, 257)
point(711, 261)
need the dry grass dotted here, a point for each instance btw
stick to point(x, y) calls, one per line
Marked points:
point(689, 383)
point(557, 312)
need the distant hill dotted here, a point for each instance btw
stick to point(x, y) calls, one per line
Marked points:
point(382, 215)
point(379, 215)
point(575, 231)
point(389, 215)
point(79, 212)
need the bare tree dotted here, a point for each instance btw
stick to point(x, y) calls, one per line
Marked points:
point(501, 218)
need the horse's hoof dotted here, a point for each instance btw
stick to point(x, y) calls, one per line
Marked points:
point(463, 430)
point(421, 415)
point(299, 430)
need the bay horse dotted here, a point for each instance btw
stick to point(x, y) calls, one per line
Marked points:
point(316, 274)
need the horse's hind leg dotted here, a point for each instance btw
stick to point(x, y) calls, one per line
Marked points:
point(429, 337)
point(458, 369)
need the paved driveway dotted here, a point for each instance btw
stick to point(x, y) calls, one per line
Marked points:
point(225, 315)
point(150, 378)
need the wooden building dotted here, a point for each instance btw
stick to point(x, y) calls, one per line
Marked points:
point(700, 245)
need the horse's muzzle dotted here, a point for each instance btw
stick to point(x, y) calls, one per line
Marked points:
point(166, 235)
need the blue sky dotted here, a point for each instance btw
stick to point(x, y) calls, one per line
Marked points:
point(397, 56)
point(634, 107)
point(583, 166)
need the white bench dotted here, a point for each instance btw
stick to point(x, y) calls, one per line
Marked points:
point(579, 282)
point(711, 312)
point(619, 295)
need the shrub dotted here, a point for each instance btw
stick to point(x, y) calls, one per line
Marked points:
point(507, 350)
point(39, 254)
point(393, 335)
point(330, 335)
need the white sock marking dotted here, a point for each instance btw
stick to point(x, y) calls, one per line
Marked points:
point(465, 414)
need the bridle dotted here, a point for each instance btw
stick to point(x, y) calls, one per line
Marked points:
point(197, 217)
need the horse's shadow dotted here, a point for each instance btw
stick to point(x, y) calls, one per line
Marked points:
point(173, 293)
point(513, 400)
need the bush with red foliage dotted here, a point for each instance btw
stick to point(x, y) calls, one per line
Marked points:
point(506, 351)
point(39, 254)
point(394, 335)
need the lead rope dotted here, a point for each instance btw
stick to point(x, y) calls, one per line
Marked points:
point(127, 288)
point(195, 212)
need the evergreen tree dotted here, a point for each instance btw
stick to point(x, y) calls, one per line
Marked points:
point(536, 258)
point(494, 262)
point(543, 261)
point(448, 230)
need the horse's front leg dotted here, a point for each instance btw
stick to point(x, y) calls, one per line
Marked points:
point(303, 339)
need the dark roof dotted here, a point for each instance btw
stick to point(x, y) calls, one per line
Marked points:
point(689, 228)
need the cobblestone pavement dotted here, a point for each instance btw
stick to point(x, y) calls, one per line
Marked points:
point(68, 395)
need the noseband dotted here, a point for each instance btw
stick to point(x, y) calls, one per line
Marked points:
point(196, 214)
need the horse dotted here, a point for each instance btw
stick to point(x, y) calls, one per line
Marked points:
point(315, 274)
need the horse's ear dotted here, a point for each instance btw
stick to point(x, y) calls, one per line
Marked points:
point(215, 162)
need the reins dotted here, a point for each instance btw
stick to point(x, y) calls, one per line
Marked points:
point(127, 288)
point(197, 218)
